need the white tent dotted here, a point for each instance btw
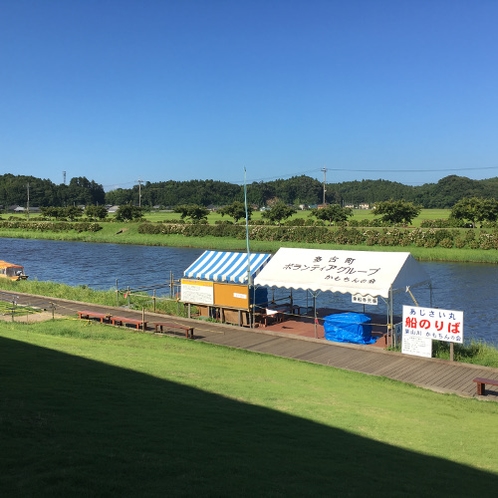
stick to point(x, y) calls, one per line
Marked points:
point(355, 272)
point(365, 273)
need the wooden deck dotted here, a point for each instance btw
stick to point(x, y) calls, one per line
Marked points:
point(295, 339)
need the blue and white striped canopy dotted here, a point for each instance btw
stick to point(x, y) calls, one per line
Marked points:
point(221, 266)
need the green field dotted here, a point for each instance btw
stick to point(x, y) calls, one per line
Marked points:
point(359, 214)
point(88, 410)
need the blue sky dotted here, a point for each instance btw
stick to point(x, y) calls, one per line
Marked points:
point(122, 90)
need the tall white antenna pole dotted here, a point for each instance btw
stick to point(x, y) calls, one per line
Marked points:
point(139, 193)
point(324, 182)
point(247, 232)
point(27, 204)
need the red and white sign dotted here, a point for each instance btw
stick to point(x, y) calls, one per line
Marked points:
point(433, 323)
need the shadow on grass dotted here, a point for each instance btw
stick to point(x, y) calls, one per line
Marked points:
point(75, 427)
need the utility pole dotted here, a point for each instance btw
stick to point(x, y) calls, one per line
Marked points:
point(324, 182)
point(27, 203)
point(140, 193)
point(64, 177)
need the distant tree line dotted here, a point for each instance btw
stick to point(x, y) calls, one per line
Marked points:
point(295, 191)
point(15, 189)
point(307, 191)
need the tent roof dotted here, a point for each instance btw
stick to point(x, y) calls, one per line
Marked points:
point(222, 266)
point(355, 272)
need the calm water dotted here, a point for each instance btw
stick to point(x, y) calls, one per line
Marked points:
point(456, 286)
point(97, 265)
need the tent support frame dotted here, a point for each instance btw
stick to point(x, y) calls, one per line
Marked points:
point(315, 316)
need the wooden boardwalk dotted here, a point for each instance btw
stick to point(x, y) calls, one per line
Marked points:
point(437, 375)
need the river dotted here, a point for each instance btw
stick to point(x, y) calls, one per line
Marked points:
point(463, 287)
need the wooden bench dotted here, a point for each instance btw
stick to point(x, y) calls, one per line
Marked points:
point(481, 384)
point(121, 320)
point(103, 317)
point(160, 326)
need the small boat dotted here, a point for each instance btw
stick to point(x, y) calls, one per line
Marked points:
point(12, 271)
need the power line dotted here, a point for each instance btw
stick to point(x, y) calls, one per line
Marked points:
point(352, 170)
point(410, 170)
point(317, 170)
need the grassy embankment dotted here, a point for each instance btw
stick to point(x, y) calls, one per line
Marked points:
point(127, 233)
point(478, 353)
point(84, 294)
point(88, 410)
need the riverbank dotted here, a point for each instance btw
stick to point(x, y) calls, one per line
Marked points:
point(474, 352)
point(128, 233)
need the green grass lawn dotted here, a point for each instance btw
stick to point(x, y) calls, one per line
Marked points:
point(88, 410)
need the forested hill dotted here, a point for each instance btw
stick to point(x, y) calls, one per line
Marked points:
point(14, 190)
point(305, 190)
point(443, 194)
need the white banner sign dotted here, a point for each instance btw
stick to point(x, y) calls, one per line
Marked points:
point(197, 292)
point(414, 344)
point(433, 323)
